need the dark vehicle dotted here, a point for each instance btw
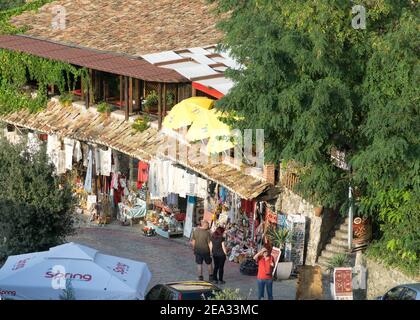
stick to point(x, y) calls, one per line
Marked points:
point(183, 290)
point(403, 292)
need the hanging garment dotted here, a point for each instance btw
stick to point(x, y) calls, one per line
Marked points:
point(183, 184)
point(247, 206)
point(115, 162)
point(85, 150)
point(106, 161)
point(52, 150)
point(61, 164)
point(201, 188)
point(192, 182)
point(68, 148)
point(171, 179)
point(34, 144)
point(143, 174)
point(97, 155)
point(88, 179)
point(222, 194)
point(172, 200)
point(78, 154)
point(151, 179)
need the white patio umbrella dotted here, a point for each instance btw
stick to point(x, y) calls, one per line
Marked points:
point(93, 276)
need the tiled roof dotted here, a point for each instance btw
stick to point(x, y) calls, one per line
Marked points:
point(89, 126)
point(134, 27)
point(108, 62)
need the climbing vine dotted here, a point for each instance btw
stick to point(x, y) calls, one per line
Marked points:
point(16, 69)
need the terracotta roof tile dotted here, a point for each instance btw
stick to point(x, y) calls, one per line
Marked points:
point(134, 27)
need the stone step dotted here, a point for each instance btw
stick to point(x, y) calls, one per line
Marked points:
point(323, 262)
point(343, 227)
point(329, 254)
point(341, 234)
point(334, 248)
point(339, 242)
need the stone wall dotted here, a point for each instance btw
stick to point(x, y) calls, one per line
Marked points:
point(318, 228)
point(381, 278)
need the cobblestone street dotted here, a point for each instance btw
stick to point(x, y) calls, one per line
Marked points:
point(169, 260)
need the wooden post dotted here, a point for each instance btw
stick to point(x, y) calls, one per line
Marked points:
point(164, 101)
point(82, 89)
point(194, 92)
point(177, 93)
point(160, 105)
point(121, 90)
point(130, 96)
point(126, 98)
point(91, 88)
point(138, 95)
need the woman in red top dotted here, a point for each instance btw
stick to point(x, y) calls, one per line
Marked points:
point(265, 273)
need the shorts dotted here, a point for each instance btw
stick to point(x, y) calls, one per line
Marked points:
point(199, 258)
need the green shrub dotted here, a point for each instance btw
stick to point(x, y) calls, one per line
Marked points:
point(339, 261)
point(66, 99)
point(104, 107)
point(141, 124)
point(36, 206)
point(152, 100)
point(227, 294)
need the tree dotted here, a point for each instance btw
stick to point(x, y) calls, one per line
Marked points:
point(315, 84)
point(35, 206)
point(302, 81)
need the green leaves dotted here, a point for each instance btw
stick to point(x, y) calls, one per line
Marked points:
point(36, 213)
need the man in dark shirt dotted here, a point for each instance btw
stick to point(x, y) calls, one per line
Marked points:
point(202, 246)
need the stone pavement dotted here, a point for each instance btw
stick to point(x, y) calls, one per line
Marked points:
point(169, 260)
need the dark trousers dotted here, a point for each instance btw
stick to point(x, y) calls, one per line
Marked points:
point(219, 264)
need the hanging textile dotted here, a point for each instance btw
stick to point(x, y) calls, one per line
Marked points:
point(152, 180)
point(222, 194)
point(143, 174)
point(191, 184)
point(61, 163)
point(78, 154)
point(52, 149)
point(34, 144)
point(68, 148)
point(172, 200)
point(85, 150)
point(97, 155)
point(201, 189)
point(248, 206)
point(106, 162)
point(88, 179)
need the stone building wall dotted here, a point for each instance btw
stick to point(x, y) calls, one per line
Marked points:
point(381, 278)
point(318, 228)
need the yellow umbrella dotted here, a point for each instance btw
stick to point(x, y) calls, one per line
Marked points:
point(208, 125)
point(185, 112)
point(219, 144)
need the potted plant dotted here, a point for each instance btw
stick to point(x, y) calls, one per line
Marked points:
point(278, 238)
point(151, 101)
point(170, 99)
point(318, 210)
point(141, 124)
point(104, 108)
